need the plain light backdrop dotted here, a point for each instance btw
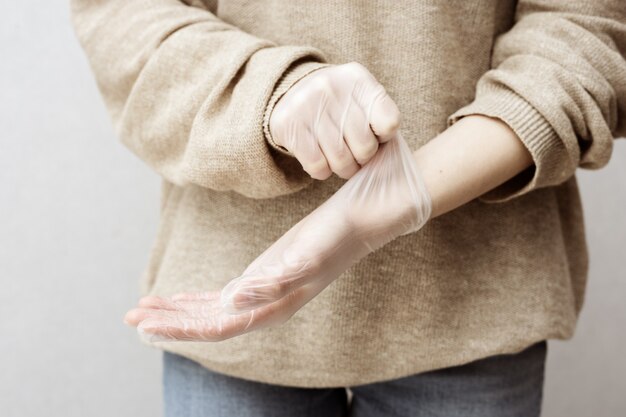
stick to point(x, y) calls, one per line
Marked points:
point(78, 213)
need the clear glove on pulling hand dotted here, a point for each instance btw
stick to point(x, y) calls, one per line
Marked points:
point(387, 198)
point(333, 119)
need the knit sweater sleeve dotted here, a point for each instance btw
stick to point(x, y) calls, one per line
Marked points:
point(189, 93)
point(558, 79)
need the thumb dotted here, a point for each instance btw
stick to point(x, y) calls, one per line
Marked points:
point(383, 115)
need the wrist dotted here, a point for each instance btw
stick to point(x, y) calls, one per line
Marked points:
point(471, 157)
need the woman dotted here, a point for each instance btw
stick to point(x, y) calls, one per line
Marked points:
point(246, 108)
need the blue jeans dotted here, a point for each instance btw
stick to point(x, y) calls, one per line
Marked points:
point(501, 385)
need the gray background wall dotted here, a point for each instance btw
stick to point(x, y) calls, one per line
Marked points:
point(77, 216)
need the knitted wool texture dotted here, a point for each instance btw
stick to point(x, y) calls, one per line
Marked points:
point(190, 87)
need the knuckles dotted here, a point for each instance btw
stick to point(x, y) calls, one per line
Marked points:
point(366, 152)
point(322, 83)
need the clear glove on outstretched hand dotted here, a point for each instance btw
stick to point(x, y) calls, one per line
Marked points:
point(333, 120)
point(386, 198)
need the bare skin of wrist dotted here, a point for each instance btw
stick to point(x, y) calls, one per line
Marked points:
point(471, 157)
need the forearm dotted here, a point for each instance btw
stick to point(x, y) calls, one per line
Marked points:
point(473, 156)
point(177, 79)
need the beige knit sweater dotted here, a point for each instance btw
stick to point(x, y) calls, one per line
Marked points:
point(190, 86)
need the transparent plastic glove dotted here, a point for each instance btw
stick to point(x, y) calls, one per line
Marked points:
point(200, 317)
point(333, 119)
point(385, 199)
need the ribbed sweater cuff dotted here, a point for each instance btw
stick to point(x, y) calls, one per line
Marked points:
point(298, 70)
point(534, 131)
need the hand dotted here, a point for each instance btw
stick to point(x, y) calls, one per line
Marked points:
point(386, 199)
point(333, 120)
point(201, 317)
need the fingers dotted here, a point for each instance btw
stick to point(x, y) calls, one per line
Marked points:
point(311, 157)
point(313, 160)
point(335, 149)
point(383, 114)
point(157, 329)
point(213, 324)
point(333, 120)
point(289, 132)
point(207, 295)
point(157, 302)
point(136, 315)
point(187, 328)
point(151, 305)
point(360, 139)
point(203, 319)
point(148, 305)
